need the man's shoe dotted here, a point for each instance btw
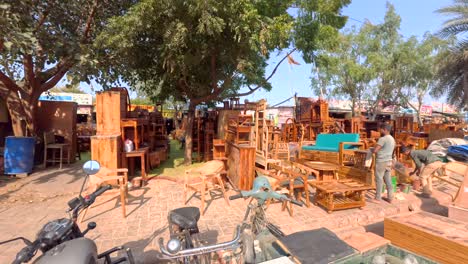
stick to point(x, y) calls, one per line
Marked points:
point(390, 201)
point(426, 195)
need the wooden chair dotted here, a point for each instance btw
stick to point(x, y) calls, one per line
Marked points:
point(203, 179)
point(49, 143)
point(294, 181)
point(115, 177)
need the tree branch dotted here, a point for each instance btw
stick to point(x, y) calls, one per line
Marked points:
point(55, 79)
point(45, 76)
point(213, 72)
point(29, 70)
point(9, 83)
point(252, 90)
point(89, 21)
point(42, 19)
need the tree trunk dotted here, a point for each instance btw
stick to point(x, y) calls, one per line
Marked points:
point(188, 134)
point(353, 106)
point(22, 112)
point(418, 116)
point(176, 120)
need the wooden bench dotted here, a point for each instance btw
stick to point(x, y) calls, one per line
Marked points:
point(338, 152)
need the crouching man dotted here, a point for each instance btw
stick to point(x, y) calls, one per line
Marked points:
point(426, 165)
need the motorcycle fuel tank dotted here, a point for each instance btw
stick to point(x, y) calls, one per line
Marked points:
point(76, 251)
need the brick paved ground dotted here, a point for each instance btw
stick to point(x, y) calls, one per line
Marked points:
point(148, 208)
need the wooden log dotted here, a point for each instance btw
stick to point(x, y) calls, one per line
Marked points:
point(436, 237)
point(106, 150)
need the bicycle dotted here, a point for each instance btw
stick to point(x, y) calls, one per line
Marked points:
point(183, 225)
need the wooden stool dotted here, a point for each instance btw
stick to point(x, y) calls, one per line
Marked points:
point(141, 153)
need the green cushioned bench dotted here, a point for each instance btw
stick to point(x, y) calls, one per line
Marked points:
point(333, 148)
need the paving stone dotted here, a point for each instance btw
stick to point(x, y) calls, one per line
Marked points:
point(147, 218)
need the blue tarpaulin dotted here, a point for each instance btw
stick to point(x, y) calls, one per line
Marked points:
point(459, 152)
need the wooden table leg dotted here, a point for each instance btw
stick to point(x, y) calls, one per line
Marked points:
point(143, 167)
point(137, 141)
point(131, 166)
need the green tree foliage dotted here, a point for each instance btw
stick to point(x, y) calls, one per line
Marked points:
point(453, 70)
point(421, 68)
point(42, 41)
point(206, 50)
point(377, 65)
point(343, 70)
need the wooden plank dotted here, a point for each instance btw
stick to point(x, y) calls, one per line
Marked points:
point(432, 236)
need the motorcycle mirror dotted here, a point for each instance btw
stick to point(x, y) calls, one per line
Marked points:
point(91, 167)
point(91, 225)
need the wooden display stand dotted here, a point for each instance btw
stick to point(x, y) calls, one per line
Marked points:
point(436, 237)
point(106, 150)
point(241, 165)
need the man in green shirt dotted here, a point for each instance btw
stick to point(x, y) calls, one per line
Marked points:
point(383, 162)
point(426, 165)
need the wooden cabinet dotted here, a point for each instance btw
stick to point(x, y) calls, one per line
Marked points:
point(106, 150)
point(241, 165)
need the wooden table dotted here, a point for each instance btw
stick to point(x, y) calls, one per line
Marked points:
point(343, 194)
point(326, 171)
point(141, 153)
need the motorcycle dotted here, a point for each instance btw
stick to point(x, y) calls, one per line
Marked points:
point(254, 227)
point(62, 241)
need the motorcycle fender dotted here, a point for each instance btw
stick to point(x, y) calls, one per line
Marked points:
point(77, 251)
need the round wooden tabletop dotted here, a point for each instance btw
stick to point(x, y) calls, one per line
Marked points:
point(323, 166)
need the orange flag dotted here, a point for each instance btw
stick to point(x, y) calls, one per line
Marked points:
point(292, 61)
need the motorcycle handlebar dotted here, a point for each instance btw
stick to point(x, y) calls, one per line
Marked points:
point(98, 192)
point(89, 200)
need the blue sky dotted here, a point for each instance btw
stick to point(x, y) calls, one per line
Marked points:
point(417, 17)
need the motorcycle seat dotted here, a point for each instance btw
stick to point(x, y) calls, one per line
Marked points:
point(185, 217)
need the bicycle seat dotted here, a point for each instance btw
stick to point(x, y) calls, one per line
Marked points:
point(185, 217)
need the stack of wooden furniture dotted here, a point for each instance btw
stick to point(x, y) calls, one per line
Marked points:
point(106, 145)
point(203, 133)
point(240, 128)
point(159, 145)
point(115, 124)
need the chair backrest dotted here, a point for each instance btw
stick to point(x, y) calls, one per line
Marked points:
point(49, 138)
